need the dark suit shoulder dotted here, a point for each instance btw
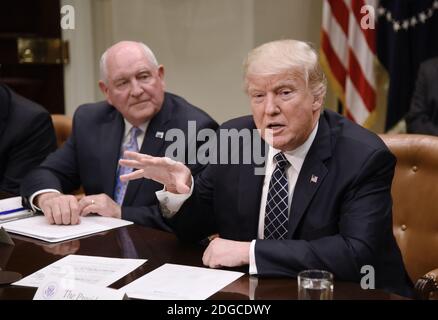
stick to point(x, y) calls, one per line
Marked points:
point(244, 122)
point(25, 108)
point(26, 118)
point(349, 132)
point(93, 113)
point(96, 109)
point(185, 110)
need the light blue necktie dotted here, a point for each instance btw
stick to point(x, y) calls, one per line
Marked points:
point(127, 246)
point(131, 145)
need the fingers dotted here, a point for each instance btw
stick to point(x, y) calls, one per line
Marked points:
point(47, 210)
point(56, 213)
point(75, 213)
point(88, 209)
point(136, 156)
point(142, 161)
point(62, 209)
point(182, 188)
point(130, 163)
point(132, 176)
point(100, 204)
point(209, 257)
point(88, 205)
point(172, 174)
point(206, 257)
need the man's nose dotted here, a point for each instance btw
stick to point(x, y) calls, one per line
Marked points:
point(271, 106)
point(136, 89)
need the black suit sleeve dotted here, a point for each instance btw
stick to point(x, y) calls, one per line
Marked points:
point(423, 114)
point(59, 171)
point(147, 216)
point(364, 218)
point(151, 215)
point(34, 143)
point(195, 220)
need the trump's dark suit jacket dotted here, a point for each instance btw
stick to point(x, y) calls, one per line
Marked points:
point(90, 156)
point(340, 222)
point(27, 136)
point(423, 114)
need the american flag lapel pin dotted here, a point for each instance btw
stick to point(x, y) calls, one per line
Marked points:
point(313, 179)
point(159, 134)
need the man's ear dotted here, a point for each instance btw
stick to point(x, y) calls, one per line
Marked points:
point(161, 73)
point(104, 88)
point(317, 102)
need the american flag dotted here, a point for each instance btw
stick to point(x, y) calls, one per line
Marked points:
point(348, 54)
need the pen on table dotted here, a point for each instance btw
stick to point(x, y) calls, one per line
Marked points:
point(11, 211)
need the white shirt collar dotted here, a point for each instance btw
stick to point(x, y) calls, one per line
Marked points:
point(296, 157)
point(143, 127)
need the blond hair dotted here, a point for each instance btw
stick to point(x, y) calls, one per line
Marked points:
point(287, 56)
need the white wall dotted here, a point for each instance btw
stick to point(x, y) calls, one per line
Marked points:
point(201, 43)
point(79, 75)
point(282, 19)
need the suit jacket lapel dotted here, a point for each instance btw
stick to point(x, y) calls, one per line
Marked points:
point(311, 175)
point(111, 133)
point(152, 144)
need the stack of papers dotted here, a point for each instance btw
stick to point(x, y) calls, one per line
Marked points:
point(177, 282)
point(38, 227)
point(12, 209)
point(98, 271)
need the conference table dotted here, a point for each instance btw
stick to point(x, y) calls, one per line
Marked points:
point(158, 247)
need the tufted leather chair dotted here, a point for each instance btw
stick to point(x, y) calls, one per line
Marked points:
point(63, 127)
point(415, 207)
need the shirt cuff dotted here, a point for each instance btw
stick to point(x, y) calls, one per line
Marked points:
point(252, 261)
point(170, 203)
point(32, 197)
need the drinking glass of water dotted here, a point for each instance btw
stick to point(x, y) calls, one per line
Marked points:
point(315, 285)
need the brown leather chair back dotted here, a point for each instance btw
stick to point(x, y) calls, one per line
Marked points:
point(63, 127)
point(415, 200)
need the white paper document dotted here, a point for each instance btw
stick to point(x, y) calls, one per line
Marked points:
point(60, 289)
point(99, 271)
point(177, 282)
point(38, 227)
point(11, 209)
